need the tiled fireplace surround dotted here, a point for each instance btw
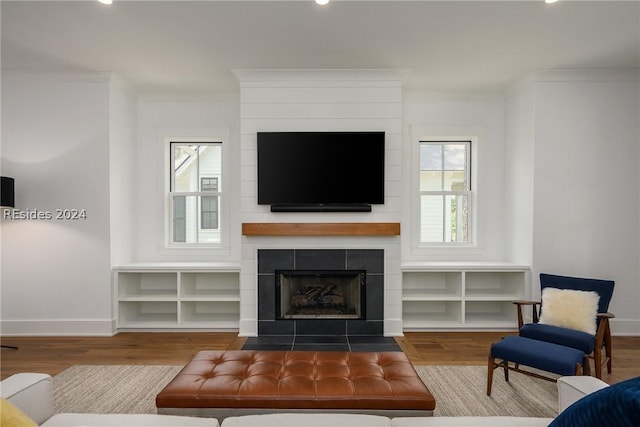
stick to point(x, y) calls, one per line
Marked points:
point(371, 260)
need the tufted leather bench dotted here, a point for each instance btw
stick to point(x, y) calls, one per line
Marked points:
point(226, 383)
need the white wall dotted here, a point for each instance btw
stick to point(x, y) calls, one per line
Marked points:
point(519, 169)
point(586, 204)
point(458, 114)
point(157, 120)
point(122, 167)
point(55, 143)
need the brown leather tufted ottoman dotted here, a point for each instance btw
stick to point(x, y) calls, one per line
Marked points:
point(226, 383)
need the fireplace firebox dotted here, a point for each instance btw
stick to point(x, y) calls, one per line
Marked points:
point(370, 320)
point(320, 294)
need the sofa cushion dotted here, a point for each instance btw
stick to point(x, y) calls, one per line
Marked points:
point(127, 420)
point(569, 308)
point(10, 416)
point(470, 422)
point(617, 405)
point(30, 392)
point(307, 420)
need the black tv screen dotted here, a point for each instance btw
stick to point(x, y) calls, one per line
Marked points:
point(320, 168)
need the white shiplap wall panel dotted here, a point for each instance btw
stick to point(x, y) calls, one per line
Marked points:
point(317, 100)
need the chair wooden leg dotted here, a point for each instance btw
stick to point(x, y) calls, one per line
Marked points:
point(490, 368)
point(586, 366)
point(505, 366)
point(597, 362)
point(607, 347)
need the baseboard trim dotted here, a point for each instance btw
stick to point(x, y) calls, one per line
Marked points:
point(393, 328)
point(625, 327)
point(107, 328)
point(50, 327)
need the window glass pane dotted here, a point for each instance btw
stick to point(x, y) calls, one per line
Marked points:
point(455, 157)
point(430, 180)
point(196, 219)
point(210, 163)
point(454, 181)
point(431, 218)
point(209, 212)
point(179, 224)
point(444, 219)
point(430, 157)
point(209, 231)
point(191, 218)
point(185, 163)
point(456, 215)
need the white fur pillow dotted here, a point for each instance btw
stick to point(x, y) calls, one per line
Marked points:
point(569, 308)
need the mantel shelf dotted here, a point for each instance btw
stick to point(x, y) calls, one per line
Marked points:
point(321, 229)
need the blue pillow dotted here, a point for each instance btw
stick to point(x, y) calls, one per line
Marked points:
point(614, 406)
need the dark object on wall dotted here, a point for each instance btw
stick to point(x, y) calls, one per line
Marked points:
point(321, 171)
point(7, 198)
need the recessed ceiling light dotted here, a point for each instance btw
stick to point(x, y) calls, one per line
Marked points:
point(550, 1)
point(322, 2)
point(106, 1)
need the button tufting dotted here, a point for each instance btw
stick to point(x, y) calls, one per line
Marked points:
point(297, 380)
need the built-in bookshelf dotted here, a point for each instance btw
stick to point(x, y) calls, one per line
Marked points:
point(453, 296)
point(177, 296)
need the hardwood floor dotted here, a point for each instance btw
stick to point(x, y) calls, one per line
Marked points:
point(471, 348)
point(53, 355)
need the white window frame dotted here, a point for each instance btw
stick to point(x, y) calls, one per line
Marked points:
point(444, 193)
point(169, 205)
point(444, 134)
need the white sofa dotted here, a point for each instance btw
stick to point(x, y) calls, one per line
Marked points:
point(570, 390)
point(33, 395)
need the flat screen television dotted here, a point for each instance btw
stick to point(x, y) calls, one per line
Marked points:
point(321, 171)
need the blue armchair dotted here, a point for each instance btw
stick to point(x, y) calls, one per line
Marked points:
point(590, 344)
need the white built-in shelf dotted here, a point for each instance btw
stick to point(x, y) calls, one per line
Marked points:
point(462, 296)
point(177, 296)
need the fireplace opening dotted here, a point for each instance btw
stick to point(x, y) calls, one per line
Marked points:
point(313, 294)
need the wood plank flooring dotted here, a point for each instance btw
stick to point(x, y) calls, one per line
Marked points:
point(53, 355)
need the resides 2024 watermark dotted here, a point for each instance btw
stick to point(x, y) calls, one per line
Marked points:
point(43, 215)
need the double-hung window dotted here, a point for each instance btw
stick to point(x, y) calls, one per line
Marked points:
point(195, 196)
point(445, 192)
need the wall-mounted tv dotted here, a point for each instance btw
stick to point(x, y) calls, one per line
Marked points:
point(321, 171)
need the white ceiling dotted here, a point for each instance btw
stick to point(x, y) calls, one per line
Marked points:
point(191, 46)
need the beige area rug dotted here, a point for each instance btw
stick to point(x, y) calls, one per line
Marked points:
point(111, 389)
point(462, 391)
point(459, 390)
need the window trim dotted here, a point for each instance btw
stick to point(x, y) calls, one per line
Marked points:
point(444, 134)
